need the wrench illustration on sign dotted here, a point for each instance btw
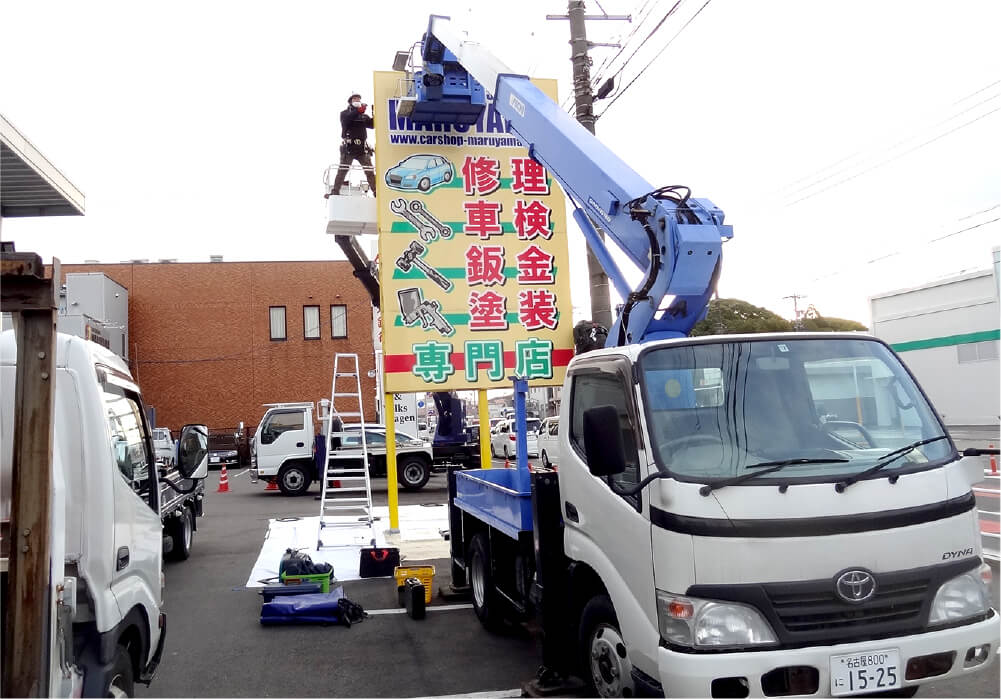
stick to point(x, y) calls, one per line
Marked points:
point(411, 258)
point(429, 227)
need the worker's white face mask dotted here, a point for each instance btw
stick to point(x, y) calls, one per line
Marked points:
point(356, 104)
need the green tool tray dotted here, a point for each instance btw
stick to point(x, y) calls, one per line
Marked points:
point(322, 578)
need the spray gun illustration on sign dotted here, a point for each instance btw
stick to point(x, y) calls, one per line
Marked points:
point(414, 307)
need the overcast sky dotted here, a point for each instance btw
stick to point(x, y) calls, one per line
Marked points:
point(840, 138)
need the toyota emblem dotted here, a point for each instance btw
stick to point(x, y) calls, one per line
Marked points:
point(855, 585)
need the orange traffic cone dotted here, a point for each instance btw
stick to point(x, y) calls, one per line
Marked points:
point(994, 462)
point(507, 463)
point(223, 481)
point(272, 485)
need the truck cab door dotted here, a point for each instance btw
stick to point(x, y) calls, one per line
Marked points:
point(284, 434)
point(138, 531)
point(607, 531)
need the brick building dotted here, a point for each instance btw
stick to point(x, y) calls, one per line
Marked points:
point(211, 342)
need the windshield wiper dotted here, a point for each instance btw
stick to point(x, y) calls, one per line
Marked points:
point(769, 467)
point(886, 460)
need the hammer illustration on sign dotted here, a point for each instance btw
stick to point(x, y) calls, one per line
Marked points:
point(411, 258)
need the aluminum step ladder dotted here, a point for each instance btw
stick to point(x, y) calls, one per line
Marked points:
point(346, 497)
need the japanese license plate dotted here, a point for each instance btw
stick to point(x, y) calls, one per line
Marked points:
point(859, 673)
point(214, 459)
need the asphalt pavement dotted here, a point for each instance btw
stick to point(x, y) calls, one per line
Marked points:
point(216, 646)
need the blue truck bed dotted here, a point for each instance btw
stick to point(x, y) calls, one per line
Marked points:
point(499, 497)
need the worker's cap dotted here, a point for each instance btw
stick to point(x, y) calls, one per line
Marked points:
point(353, 95)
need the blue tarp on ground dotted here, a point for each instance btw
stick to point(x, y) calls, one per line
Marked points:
point(319, 608)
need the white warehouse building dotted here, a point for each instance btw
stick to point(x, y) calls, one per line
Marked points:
point(947, 332)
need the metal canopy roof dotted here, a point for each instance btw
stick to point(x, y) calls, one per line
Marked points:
point(29, 184)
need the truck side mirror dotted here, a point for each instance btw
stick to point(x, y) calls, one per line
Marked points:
point(603, 447)
point(193, 452)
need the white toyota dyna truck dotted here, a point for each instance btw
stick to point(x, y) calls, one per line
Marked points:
point(107, 537)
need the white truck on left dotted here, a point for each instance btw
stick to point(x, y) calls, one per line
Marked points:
point(111, 518)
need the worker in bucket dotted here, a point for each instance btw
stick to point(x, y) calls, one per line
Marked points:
point(354, 130)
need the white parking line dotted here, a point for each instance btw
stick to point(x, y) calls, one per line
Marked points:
point(435, 608)
point(495, 694)
point(241, 473)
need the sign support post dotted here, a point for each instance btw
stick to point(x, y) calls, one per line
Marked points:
point(481, 402)
point(391, 485)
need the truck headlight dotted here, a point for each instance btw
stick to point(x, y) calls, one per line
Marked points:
point(964, 596)
point(698, 623)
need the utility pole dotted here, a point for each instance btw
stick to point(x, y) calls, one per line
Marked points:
point(797, 318)
point(601, 305)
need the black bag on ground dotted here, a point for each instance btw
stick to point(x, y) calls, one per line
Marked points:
point(378, 562)
point(295, 563)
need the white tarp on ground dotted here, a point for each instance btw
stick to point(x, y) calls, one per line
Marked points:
point(419, 539)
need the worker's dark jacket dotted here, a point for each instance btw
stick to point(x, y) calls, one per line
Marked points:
point(354, 127)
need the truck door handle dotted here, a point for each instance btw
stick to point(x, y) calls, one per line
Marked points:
point(123, 558)
point(571, 510)
point(300, 444)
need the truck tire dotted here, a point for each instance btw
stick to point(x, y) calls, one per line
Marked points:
point(413, 473)
point(604, 658)
point(293, 479)
point(485, 603)
point(121, 682)
point(507, 455)
point(545, 459)
point(183, 533)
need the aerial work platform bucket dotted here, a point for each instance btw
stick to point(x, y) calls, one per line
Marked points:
point(352, 212)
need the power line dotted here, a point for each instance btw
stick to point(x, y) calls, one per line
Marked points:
point(641, 19)
point(630, 84)
point(653, 31)
point(887, 149)
point(896, 157)
point(913, 246)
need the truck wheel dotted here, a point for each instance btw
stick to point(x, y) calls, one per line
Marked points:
point(506, 454)
point(493, 452)
point(120, 680)
point(607, 669)
point(481, 580)
point(414, 473)
point(183, 532)
point(293, 480)
point(545, 459)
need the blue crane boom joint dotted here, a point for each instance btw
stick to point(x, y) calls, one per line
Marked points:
point(676, 239)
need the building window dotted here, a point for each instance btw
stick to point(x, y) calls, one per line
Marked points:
point(338, 321)
point(977, 351)
point(311, 322)
point(278, 323)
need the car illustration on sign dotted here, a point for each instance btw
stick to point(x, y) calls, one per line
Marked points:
point(420, 172)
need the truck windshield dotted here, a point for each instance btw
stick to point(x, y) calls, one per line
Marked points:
point(715, 410)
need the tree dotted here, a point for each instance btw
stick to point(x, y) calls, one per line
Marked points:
point(829, 324)
point(733, 316)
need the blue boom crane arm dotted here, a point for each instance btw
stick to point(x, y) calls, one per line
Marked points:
point(675, 238)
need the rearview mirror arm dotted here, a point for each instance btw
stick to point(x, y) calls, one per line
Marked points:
point(194, 485)
point(629, 492)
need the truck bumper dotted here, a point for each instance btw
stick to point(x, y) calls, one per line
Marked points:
point(692, 674)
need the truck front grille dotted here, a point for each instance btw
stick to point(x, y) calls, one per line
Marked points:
point(809, 607)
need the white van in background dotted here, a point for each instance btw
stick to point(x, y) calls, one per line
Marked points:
point(549, 442)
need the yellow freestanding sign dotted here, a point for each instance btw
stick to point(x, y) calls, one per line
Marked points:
point(474, 268)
